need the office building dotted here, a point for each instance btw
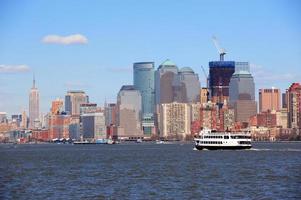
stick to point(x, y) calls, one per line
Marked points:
point(93, 126)
point(34, 104)
point(220, 73)
point(24, 120)
point(57, 106)
point(269, 99)
point(110, 114)
point(129, 104)
point(59, 126)
point(75, 128)
point(144, 82)
point(186, 86)
point(241, 83)
point(244, 109)
point(284, 100)
point(88, 108)
point(204, 95)
point(73, 100)
point(164, 77)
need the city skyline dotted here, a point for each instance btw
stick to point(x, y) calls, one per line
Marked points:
point(107, 47)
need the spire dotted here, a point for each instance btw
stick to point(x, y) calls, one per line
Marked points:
point(34, 81)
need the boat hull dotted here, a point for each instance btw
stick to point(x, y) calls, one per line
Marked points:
point(222, 147)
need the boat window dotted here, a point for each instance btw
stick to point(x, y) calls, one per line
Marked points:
point(226, 137)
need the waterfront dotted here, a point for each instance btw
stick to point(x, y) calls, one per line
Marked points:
point(149, 171)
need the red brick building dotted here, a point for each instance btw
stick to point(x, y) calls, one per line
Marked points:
point(59, 126)
point(264, 119)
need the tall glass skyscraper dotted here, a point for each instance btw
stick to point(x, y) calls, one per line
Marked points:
point(242, 92)
point(242, 83)
point(144, 81)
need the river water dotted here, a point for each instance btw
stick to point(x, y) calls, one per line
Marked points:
point(149, 171)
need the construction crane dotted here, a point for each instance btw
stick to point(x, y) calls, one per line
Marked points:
point(222, 52)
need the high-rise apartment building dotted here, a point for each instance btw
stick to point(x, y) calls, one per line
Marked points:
point(129, 104)
point(269, 99)
point(294, 106)
point(174, 120)
point(209, 115)
point(73, 100)
point(34, 105)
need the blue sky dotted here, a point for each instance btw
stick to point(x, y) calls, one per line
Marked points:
point(265, 33)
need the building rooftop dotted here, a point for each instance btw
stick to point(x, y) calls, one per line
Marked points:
point(75, 91)
point(186, 70)
point(127, 87)
point(242, 72)
point(168, 62)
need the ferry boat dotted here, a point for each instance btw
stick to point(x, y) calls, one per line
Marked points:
point(212, 140)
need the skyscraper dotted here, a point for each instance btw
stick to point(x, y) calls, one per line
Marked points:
point(59, 126)
point(164, 77)
point(93, 125)
point(57, 106)
point(110, 114)
point(24, 120)
point(33, 104)
point(241, 83)
point(204, 95)
point(144, 76)
point(294, 106)
point(73, 99)
point(129, 104)
point(269, 99)
point(144, 82)
point(174, 120)
point(186, 86)
point(220, 73)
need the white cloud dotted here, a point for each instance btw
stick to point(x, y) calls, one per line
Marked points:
point(14, 68)
point(263, 76)
point(66, 40)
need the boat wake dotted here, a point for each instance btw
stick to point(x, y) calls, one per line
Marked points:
point(292, 150)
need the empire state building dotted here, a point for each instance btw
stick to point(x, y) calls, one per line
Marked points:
point(33, 104)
